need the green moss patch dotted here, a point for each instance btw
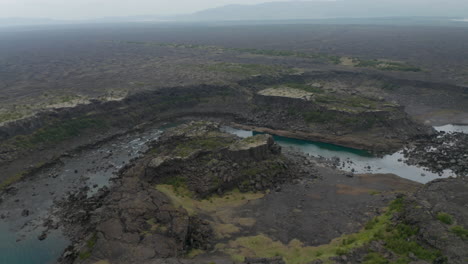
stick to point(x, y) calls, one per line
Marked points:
point(460, 231)
point(89, 247)
point(399, 238)
point(15, 178)
point(386, 65)
point(58, 132)
point(222, 210)
point(445, 218)
point(375, 258)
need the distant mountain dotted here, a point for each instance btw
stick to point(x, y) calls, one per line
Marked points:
point(290, 10)
point(331, 9)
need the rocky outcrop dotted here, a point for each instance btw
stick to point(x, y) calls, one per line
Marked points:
point(135, 223)
point(440, 152)
point(208, 161)
point(307, 114)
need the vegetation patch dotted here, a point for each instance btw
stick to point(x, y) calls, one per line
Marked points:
point(460, 231)
point(18, 176)
point(445, 218)
point(15, 178)
point(301, 86)
point(213, 204)
point(269, 168)
point(185, 148)
point(89, 247)
point(221, 209)
point(194, 252)
point(375, 258)
point(60, 131)
point(10, 115)
point(386, 65)
point(178, 183)
point(398, 238)
point(320, 57)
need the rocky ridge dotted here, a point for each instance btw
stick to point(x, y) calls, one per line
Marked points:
point(135, 222)
point(440, 152)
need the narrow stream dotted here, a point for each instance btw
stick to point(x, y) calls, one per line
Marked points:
point(19, 230)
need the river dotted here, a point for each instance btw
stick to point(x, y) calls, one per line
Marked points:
point(94, 168)
point(359, 161)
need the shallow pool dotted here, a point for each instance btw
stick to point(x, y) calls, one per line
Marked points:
point(359, 161)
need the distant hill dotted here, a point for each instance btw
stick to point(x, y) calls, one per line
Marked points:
point(332, 9)
point(359, 10)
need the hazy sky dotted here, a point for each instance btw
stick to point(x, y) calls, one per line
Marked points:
point(73, 9)
point(83, 9)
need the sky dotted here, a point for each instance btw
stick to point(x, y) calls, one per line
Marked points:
point(85, 9)
point(89, 9)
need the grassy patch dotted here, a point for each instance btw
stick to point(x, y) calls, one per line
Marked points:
point(397, 205)
point(359, 101)
point(15, 178)
point(18, 176)
point(210, 205)
point(295, 252)
point(398, 238)
point(374, 258)
point(10, 115)
point(178, 183)
point(221, 209)
point(387, 65)
point(445, 218)
point(460, 231)
point(89, 247)
point(194, 252)
point(58, 132)
point(301, 86)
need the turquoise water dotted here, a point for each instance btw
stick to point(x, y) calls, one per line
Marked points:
point(18, 235)
point(29, 250)
point(358, 161)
